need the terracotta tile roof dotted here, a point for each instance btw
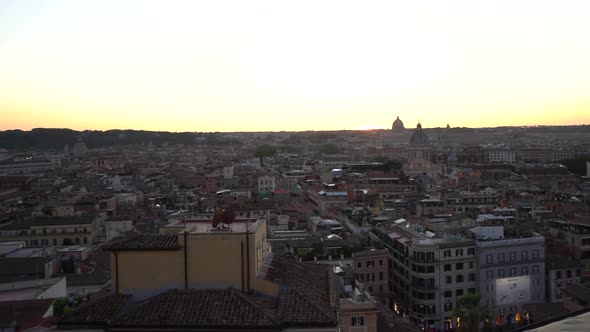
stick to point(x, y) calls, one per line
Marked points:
point(99, 263)
point(143, 242)
point(98, 311)
point(213, 308)
point(305, 294)
point(298, 309)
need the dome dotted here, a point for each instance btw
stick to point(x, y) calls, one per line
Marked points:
point(419, 137)
point(397, 124)
point(452, 158)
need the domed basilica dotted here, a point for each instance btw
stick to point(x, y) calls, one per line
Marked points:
point(398, 125)
point(420, 153)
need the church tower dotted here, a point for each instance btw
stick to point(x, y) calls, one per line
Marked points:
point(420, 147)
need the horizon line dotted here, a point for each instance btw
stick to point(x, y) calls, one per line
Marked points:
point(292, 131)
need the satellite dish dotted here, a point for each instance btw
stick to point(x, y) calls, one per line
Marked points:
point(217, 217)
point(228, 216)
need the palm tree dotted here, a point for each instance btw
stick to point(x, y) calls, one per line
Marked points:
point(471, 313)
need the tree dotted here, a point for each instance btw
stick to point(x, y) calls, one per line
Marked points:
point(577, 165)
point(471, 313)
point(329, 148)
point(264, 150)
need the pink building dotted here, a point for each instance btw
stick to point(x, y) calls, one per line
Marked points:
point(371, 267)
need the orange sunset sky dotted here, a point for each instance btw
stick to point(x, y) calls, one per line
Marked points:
point(292, 65)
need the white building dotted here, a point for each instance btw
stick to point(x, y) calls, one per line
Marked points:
point(266, 183)
point(114, 228)
point(501, 155)
point(228, 172)
point(511, 272)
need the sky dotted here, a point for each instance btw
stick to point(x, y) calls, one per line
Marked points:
point(292, 65)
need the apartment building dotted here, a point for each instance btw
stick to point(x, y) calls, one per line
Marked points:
point(371, 267)
point(544, 154)
point(464, 201)
point(27, 166)
point(511, 272)
point(429, 273)
point(266, 183)
point(500, 155)
point(561, 271)
point(574, 237)
point(51, 231)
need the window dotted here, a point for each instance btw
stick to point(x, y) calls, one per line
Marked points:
point(447, 253)
point(524, 255)
point(448, 306)
point(85, 240)
point(380, 275)
point(358, 321)
point(471, 290)
point(524, 271)
point(512, 272)
point(459, 266)
point(490, 259)
point(513, 256)
point(569, 273)
point(447, 267)
point(459, 252)
point(558, 274)
point(460, 278)
point(54, 242)
point(471, 276)
point(535, 268)
point(369, 263)
point(448, 294)
point(578, 272)
point(368, 277)
point(370, 289)
point(359, 265)
point(501, 273)
point(459, 292)
point(501, 257)
point(471, 251)
point(535, 253)
point(471, 265)
point(361, 277)
point(449, 280)
point(380, 262)
point(490, 275)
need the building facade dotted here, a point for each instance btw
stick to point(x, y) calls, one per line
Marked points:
point(429, 273)
point(511, 272)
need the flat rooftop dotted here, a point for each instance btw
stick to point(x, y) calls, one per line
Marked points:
point(249, 225)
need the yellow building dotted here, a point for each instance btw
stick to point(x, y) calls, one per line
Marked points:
point(202, 257)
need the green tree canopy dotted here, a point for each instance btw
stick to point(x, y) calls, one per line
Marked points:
point(329, 148)
point(577, 165)
point(471, 313)
point(264, 150)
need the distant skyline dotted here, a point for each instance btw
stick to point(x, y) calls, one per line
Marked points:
point(292, 66)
